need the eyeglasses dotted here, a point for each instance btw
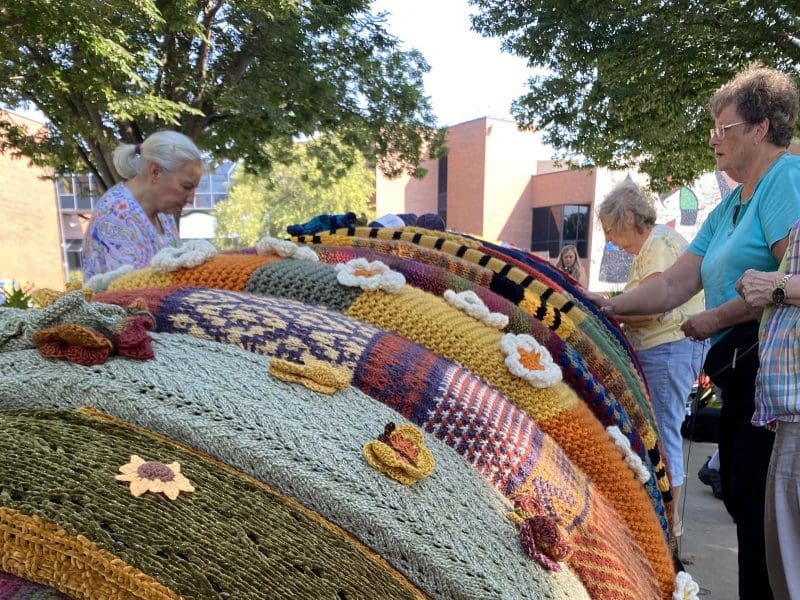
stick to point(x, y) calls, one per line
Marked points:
point(719, 130)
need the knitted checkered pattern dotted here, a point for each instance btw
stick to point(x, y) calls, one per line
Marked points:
point(308, 446)
point(90, 537)
point(433, 323)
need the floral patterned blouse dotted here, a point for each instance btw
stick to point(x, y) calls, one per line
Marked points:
point(120, 233)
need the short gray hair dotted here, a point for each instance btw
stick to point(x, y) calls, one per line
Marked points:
point(760, 93)
point(168, 148)
point(627, 198)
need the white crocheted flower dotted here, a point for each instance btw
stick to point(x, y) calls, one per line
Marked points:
point(285, 249)
point(470, 303)
point(634, 460)
point(369, 276)
point(101, 281)
point(686, 588)
point(528, 359)
point(189, 254)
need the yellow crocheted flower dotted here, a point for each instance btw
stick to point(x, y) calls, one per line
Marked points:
point(369, 276)
point(315, 374)
point(153, 476)
point(400, 452)
point(528, 359)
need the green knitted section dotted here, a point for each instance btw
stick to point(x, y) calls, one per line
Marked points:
point(17, 326)
point(231, 538)
point(448, 534)
point(309, 282)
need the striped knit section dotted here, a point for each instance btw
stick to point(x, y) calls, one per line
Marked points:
point(541, 302)
point(496, 437)
point(621, 382)
point(584, 379)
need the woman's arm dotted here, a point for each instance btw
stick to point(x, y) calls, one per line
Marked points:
point(664, 292)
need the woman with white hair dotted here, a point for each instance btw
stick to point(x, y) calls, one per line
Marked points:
point(135, 219)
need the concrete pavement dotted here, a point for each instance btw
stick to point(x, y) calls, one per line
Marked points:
point(708, 546)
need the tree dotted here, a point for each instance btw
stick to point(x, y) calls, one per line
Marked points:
point(241, 77)
point(260, 205)
point(625, 83)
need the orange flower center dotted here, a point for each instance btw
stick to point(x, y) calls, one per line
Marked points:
point(153, 470)
point(530, 359)
point(404, 449)
point(363, 273)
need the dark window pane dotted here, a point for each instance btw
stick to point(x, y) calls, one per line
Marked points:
point(441, 186)
point(203, 201)
point(74, 261)
point(66, 202)
point(64, 184)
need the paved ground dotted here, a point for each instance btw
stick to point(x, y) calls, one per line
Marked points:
point(708, 547)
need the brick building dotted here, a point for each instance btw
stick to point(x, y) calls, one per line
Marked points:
point(30, 239)
point(498, 182)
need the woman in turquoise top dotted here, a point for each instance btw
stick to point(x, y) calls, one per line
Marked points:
point(754, 120)
point(135, 219)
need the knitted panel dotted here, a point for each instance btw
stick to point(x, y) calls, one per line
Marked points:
point(309, 446)
point(584, 379)
point(446, 400)
point(17, 326)
point(15, 588)
point(434, 324)
point(315, 283)
point(615, 375)
point(232, 537)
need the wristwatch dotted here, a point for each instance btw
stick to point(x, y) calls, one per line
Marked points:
point(779, 293)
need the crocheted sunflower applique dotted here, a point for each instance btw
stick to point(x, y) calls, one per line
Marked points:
point(400, 453)
point(529, 360)
point(542, 538)
point(154, 476)
point(370, 276)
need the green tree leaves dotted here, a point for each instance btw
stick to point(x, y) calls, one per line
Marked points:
point(238, 76)
point(625, 83)
point(314, 182)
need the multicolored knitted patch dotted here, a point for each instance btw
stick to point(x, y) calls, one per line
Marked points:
point(557, 411)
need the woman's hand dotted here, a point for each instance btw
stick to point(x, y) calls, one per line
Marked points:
point(756, 287)
point(701, 326)
point(599, 300)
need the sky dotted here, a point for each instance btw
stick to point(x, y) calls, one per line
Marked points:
point(470, 77)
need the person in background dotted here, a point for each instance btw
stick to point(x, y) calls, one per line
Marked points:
point(778, 408)
point(671, 362)
point(754, 120)
point(135, 219)
point(569, 262)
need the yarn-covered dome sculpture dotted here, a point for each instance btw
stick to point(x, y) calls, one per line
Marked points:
point(361, 413)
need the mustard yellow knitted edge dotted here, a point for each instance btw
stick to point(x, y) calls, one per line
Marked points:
point(35, 549)
point(315, 374)
point(140, 279)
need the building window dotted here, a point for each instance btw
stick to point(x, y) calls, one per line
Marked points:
point(213, 186)
point(556, 226)
point(76, 192)
point(441, 189)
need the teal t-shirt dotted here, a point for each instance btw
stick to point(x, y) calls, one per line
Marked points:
point(729, 249)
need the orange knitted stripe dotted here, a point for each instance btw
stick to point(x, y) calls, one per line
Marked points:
point(590, 447)
point(46, 553)
point(224, 271)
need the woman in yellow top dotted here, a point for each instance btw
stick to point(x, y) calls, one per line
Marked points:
point(670, 360)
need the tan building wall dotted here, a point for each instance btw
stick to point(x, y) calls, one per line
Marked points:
point(466, 168)
point(30, 239)
point(405, 194)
